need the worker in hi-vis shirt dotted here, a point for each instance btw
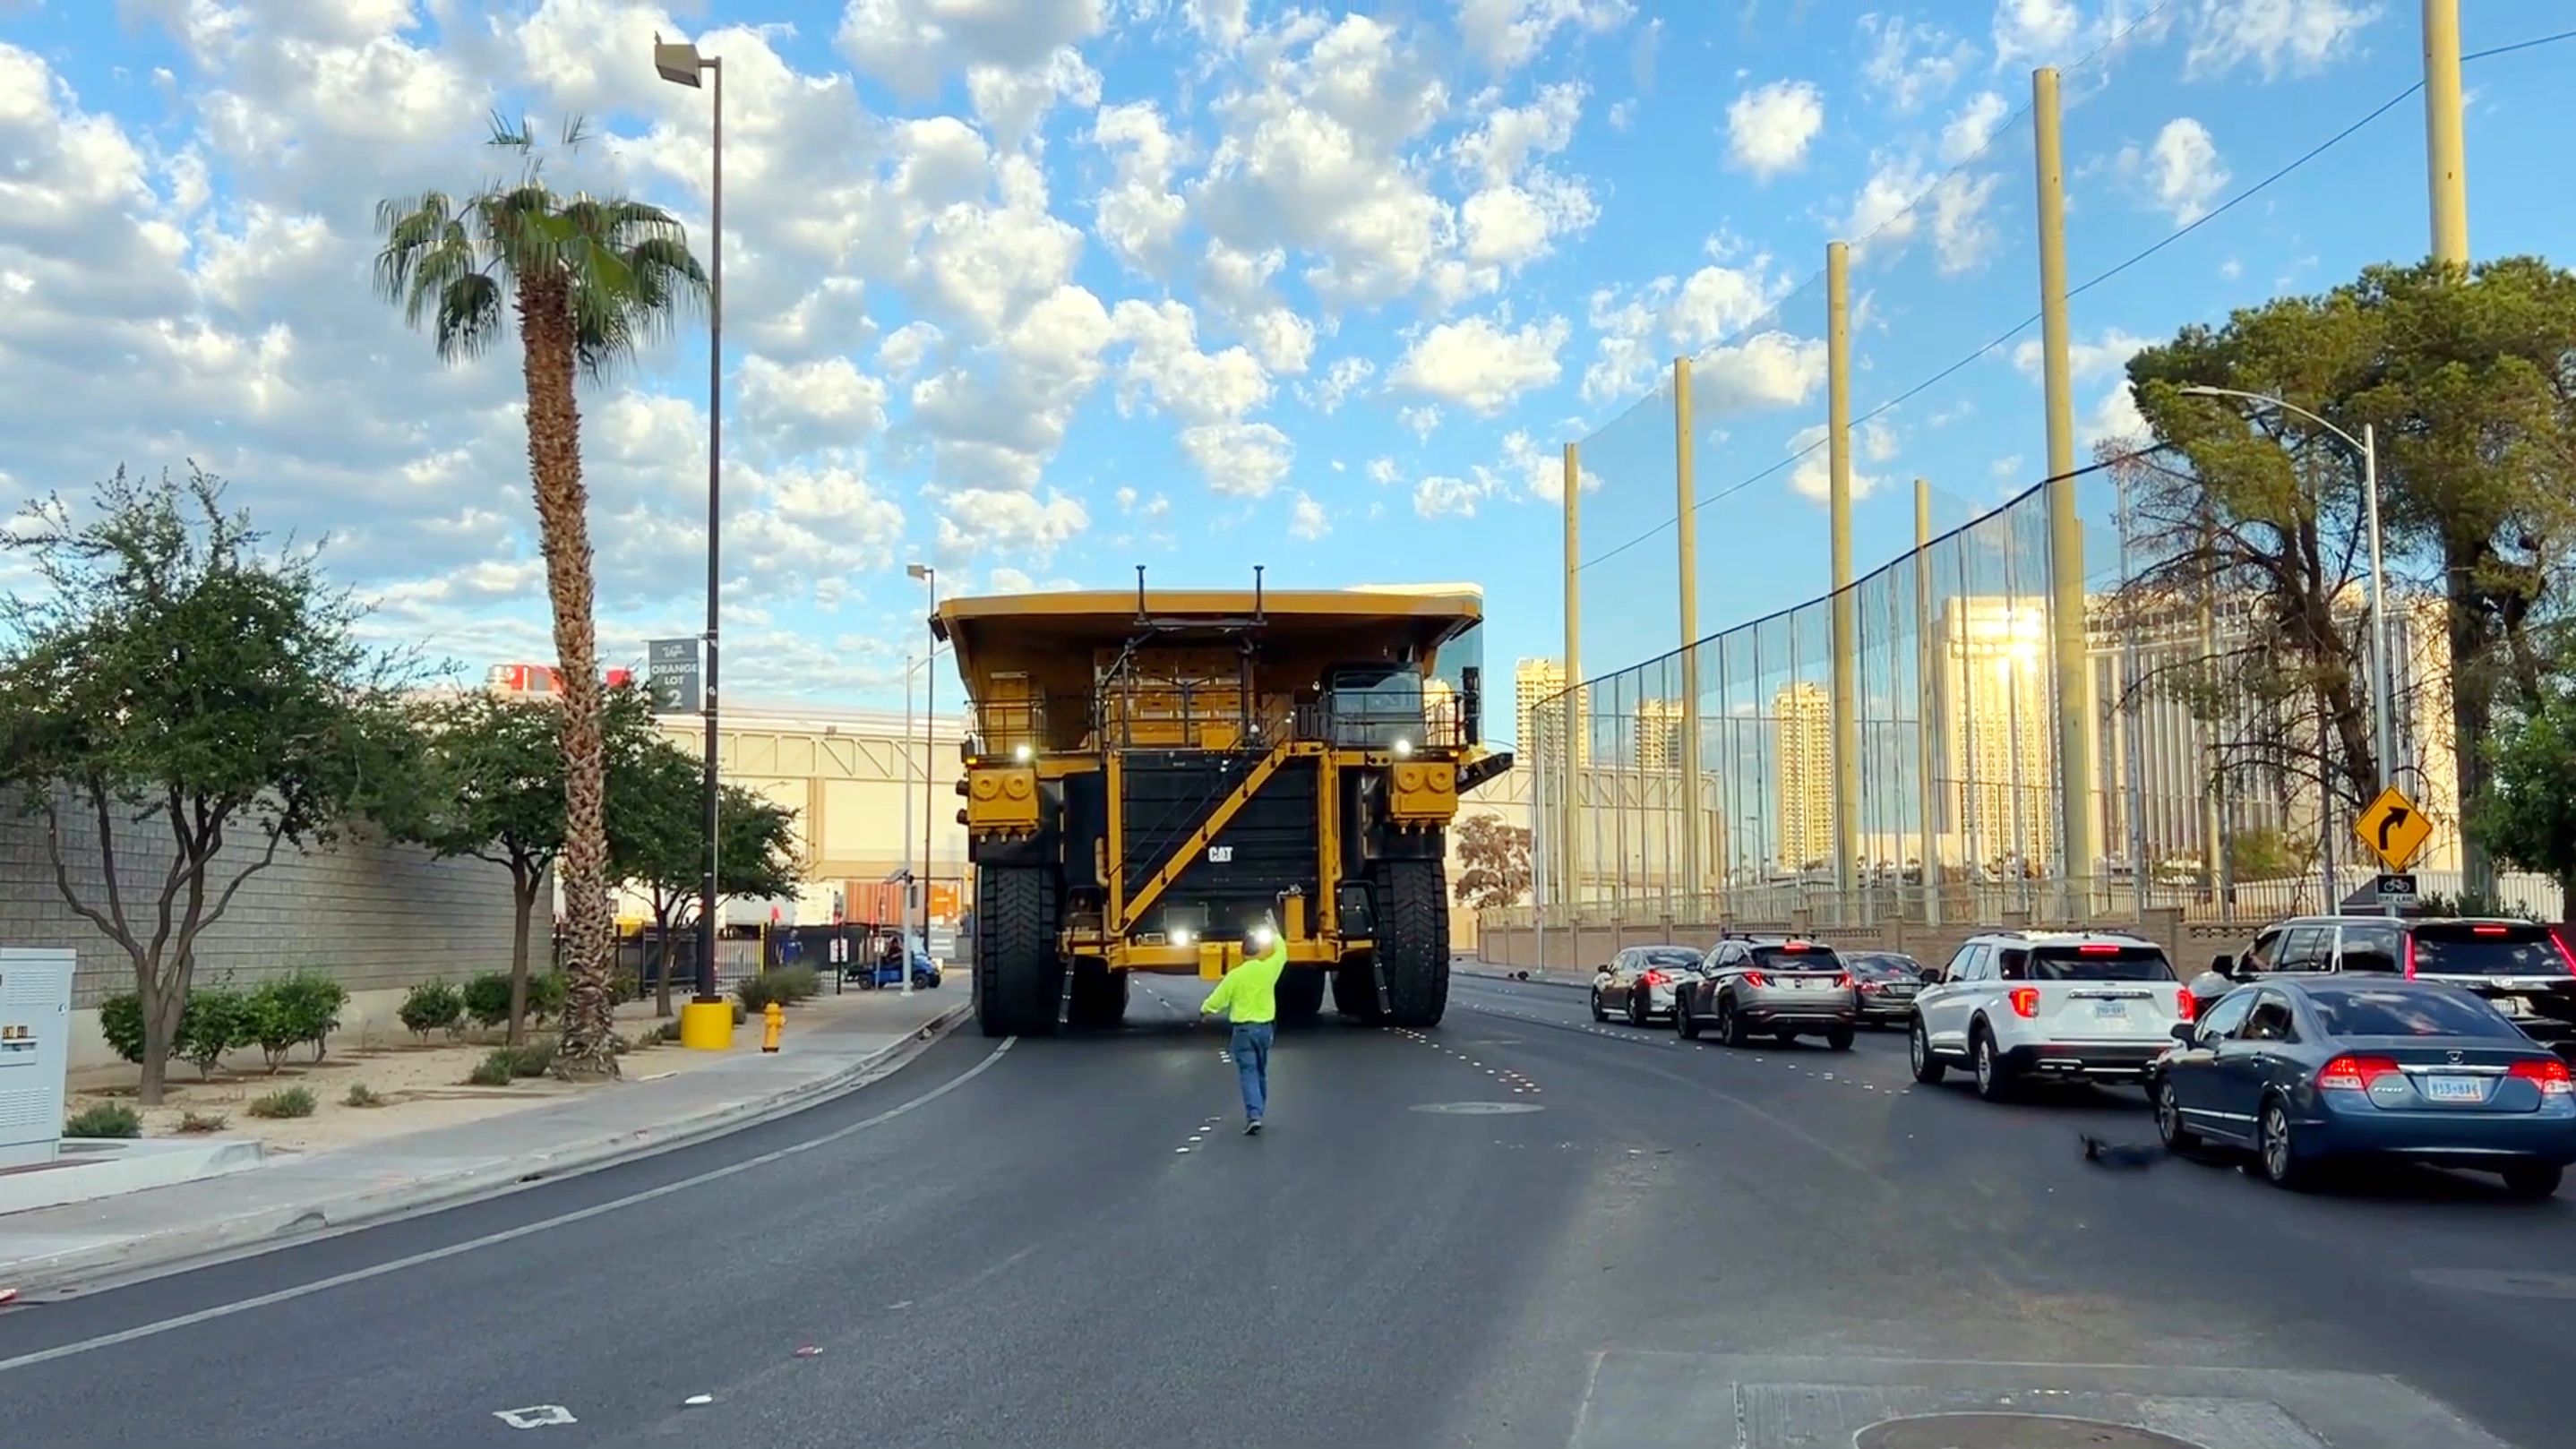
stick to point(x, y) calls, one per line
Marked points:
point(1249, 996)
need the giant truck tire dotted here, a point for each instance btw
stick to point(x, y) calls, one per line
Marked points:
point(1413, 940)
point(1019, 979)
point(1099, 996)
point(1355, 990)
point(1301, 996)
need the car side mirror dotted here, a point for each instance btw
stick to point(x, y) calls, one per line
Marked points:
point(2186, 1032)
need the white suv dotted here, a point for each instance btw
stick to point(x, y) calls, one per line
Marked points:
point(2065, 1005)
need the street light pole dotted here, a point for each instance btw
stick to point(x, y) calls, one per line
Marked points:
point(929, 739)
point(681, 64)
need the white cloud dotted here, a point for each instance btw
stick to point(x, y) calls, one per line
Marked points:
point(1345, 377)
point(1307, 518)
point(1768, 129)
point(1811, 477)
point(1442, 497)
point(2277, 37)
point(1912, 62)
point(1505, 34)
point(827, 403)
point(978, 521)
point(1483, 363)
point(1138, 215)
point(1638, 330)
point(1419, 419)
point(2035, 32)
point(1973, 127)
point(1894, 203)
point(1764, 371)
point(912, 45)
point(1241, 460)
point(2180, 172)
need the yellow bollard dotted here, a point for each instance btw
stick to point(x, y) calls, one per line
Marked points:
point(773, 1020)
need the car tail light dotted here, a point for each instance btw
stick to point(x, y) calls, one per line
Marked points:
point(2410, 958)
point(1652, 978)
point(2486, 930)
point(2354, 1074)
point(2097, 948)
point(2551, 1074)
point(2025, 1001)
point(1756, 980)
point(2186, 1005)
point(2563, 953)
point(1844, 981)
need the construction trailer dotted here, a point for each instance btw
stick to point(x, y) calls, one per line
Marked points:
point(1150, 777)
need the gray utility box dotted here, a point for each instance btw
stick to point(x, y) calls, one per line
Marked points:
point(35, 1052)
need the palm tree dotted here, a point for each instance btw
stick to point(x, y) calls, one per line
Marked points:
point(590, 279)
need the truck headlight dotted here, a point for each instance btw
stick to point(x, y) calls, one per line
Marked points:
point(1180, 935)
point(1403, 748)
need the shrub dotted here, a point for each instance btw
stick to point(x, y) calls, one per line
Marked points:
point(495, 1070)
point(216, 1021)
point(533, 1059)
point(271, 1021)
point(793, 984)
point(667, 1031)
point(739, 1015)
point(313, 1001)
point(286, 1102)
point(120, 1020)
point(547, 993)
point(203, 1121)
point(753, 993)
point(625, 987)
point(362, 1095)
point(430, 1006)
point(487, 999)
point(107, 1119)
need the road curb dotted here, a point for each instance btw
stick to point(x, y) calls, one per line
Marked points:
point(161, 1252)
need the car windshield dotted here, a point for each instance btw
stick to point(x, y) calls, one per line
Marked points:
point(2486, 949)
point(1797, 956)
point(2391, 1011)
point(1882, 968)
point(2099, 962)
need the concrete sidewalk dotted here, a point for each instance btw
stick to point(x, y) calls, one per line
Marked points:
point(51, 1247)
point(1571, 981)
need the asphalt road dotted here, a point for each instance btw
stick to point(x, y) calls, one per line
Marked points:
point(1519, 1229)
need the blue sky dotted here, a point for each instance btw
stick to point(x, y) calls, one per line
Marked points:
point(1037, 290)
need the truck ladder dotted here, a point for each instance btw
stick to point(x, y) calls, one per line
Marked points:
point(1188, 850)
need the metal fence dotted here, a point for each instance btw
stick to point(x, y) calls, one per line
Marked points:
point(1713, 780)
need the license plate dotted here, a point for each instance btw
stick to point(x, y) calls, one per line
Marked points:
point(2455, 1089)
point(2111, 1011)
point(1900, 991)
point(1799, 983)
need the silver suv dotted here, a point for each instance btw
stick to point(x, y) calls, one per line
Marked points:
point(1782, 987)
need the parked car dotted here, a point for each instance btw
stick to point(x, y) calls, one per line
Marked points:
point(1886, 982)
point(2306, 1070)
point(1785, 988)
point(2058, 1005)
point(1639, 982)
point(2520, 967)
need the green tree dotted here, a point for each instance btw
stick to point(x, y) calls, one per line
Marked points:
point(171, 680)
point(498, 767)
point(2268, 854)
point(2527, 815)
point(657, 840)
point(588, 280)
point(2470, 383)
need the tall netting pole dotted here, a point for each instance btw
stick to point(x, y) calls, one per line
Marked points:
point(2445, 151)
point(1923, 710)
point(2071, 672)
point(1686, 496)
point(1569, 873)
point(1838, 506)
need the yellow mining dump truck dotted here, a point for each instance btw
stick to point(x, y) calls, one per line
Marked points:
point(1150, 777)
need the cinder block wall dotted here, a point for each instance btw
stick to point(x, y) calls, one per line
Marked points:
point(375, 915)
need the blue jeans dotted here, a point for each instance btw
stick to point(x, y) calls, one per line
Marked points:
point(1251, 1051)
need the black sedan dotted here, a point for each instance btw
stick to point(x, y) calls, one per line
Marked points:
point(2304, 1072)
point(1886, 982)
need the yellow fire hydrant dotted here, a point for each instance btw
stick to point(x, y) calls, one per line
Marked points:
point(773, 1020)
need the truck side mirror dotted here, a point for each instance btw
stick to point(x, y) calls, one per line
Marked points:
point(2224, 965)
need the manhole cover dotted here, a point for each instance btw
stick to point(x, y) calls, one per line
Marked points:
point(2009, 1431)
point(2511, 1282)
point(1479, 1109)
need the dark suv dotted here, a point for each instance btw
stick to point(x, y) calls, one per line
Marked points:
point(2520, 966)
